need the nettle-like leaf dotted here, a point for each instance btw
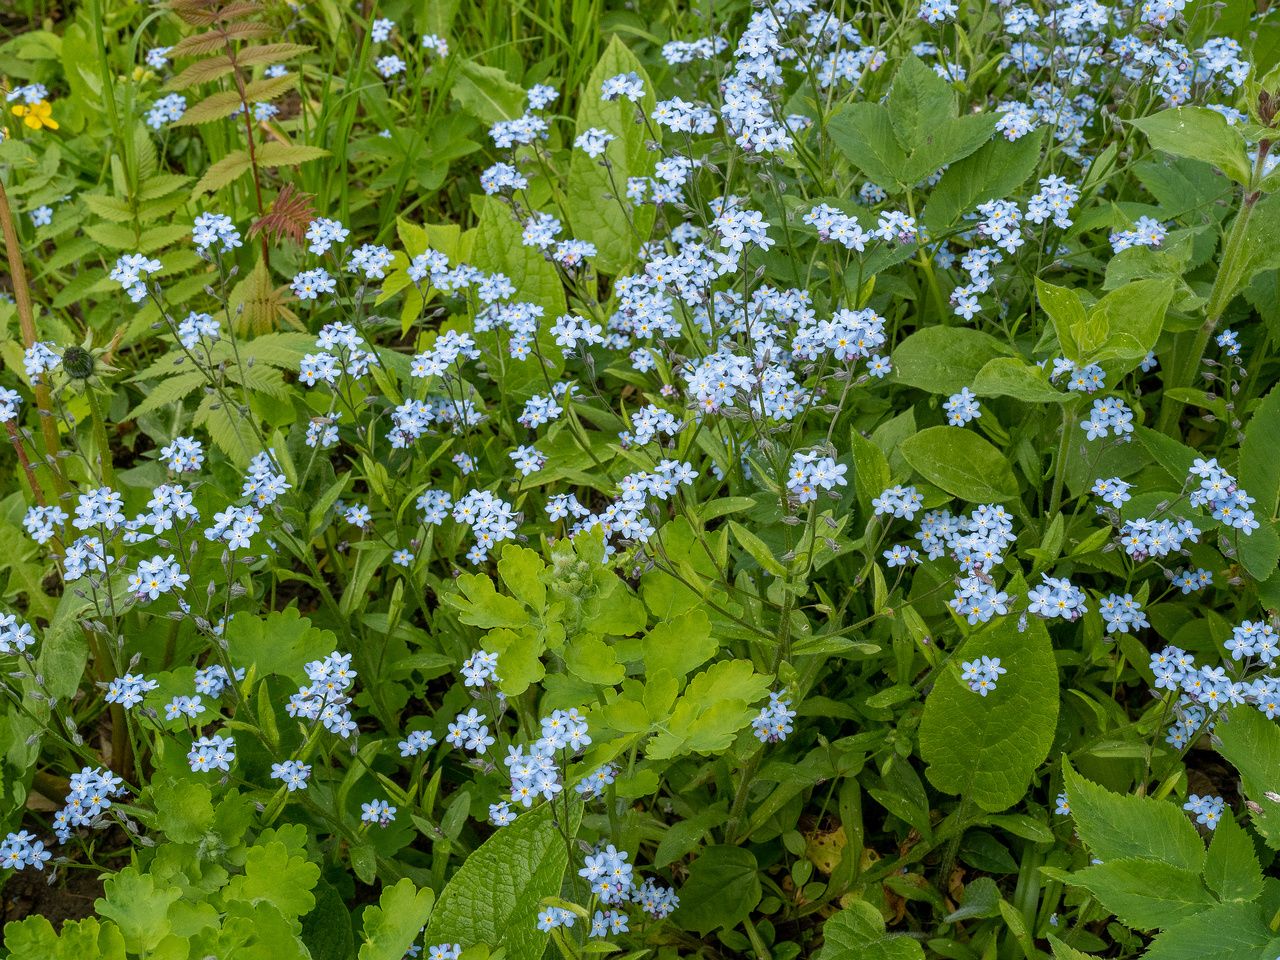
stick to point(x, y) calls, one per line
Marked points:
point(987, 748)
point(495, 896)
point(290, 214)
point(919, 132)
point(1201, 134)
point(613, 224)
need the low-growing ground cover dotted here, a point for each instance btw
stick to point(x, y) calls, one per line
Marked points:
point(765, 480)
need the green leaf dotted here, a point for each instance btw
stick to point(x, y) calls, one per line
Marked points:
point(1067, 313)
point(497, 247)
point(326, 930)
point(942, 360)
point(987, 748)
point(226, 102)
point(282, 643)
point(487, 93)
point(273, 153)
point(1147, 894)
point(615, 225)
point(757, 548)
point(140, 910)
point(858, 933)
point(392, 926)
point(1262, 238)
point(1201, 134)
point(1251, 743)
point(712, 710)
point(1117, 826)
point(996, 170)
point(34, 939)
point(871, 469)
point(495, 895)
point(962, 463)
point(521, 569)
point(1232, 931)
point(270, 873)
point(229, 168)
point(684, 836)
point(1231, 869)
point(981, 898)
point(482, 606)
point(1063, 952)
point(1133, 316)
point(184, 810)
point(864, 134)
point(593, 661)
point(1014, 377)
point(679, 645)
point(924, 116)
point(1259, 474)
point(722, 889)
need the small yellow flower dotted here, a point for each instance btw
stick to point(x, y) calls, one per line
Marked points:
point(37, 115)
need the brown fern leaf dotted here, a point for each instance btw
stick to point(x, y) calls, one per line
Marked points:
point(204, 13)
point(291, 214)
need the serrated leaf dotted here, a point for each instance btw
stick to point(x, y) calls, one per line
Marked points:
point(202, 43)
point(1231, 931)
point(139, 908)
point(273, 153)
point(113, 235)
point(614, 225)
point(1147, 894)
point(1201, 134)
point(109, 208)
point(995, 170)
point(495, 895)
point(987, 748)
point(858, 933)
point(219, 174)
point(1251, 743)
point(487, 93)
point(225, 103)
point(680, 644)
point(1231, 868)
point(1116, 826)
point(282, 643)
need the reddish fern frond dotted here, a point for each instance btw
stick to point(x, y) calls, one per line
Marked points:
point(291, 214)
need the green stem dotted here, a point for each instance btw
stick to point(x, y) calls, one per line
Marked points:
point(106, 470)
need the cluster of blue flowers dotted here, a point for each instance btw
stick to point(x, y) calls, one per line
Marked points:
point(1208, 810)
point(773, 722)
point(88, 798)
point(21, 850)
point(982, 675)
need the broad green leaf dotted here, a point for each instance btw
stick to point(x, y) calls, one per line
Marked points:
point(1231, 869)
point(1262, 238)
point(1067, 313)
point(495, 895)
point(1134, 317)
point(1014, 377)
point(614, 224)
point(1116, 826)
point(1259, 474)
point(864, 134)
point(942, 360)
point(184, 810)
point(481, 604)
point(1148, 894)
point(1188, 189)
point(995, 170)
point(283, 643)
point(961, 463)
point(722, 889)
point(270, 873)
point(920, 104)
point(684, 836)
point(140, 910)
point(987, 748)
point(1231, 931)
point(757, 548)
point(1063, 952)
point(1251, 743)
point(1201, 134)
point(593, 661)
point(981, 898)
point(680, 644)
point(34, 939)
point(273, 153)
point(871, 469)
point(712, 710)
point(487, 93)
point(392, 926)
point(520, 569)
point(326, 930)
point(858, 933)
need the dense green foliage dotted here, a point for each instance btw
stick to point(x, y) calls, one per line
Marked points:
point(503, 480)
